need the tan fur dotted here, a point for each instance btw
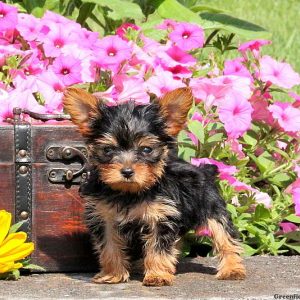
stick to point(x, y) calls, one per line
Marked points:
point(113, 260)
point(81, 105)
point(151, 213)
point(108, 140)
point(159, 267)
point(228, 250)
point(147, 141)
point(175, 106)
point(144, 177)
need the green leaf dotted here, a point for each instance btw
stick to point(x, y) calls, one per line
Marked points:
point(13, 275)
point(281, 152)
point(294, 246)
point(84, 12)
point(203, 8)
point(264, 162)
point(248, 250)
point(149, 27)
point(280, 179)
point(293, 235)
point(215, 138)
point(250, 137)
point(38, 7)
point(186, 153)
point(197, 129)
point(261, 213)
point(95, 25)
point(171, 9)
point(14, 228)
point(34, 267)
point(119, 9)
point(293, 218)
point(234, 25)
point(232, 209)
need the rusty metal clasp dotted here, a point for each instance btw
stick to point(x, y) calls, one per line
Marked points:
point(69, 154)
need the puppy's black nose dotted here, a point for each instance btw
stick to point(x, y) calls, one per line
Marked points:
point(127, 172)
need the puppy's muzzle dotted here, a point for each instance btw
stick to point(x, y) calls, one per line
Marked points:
point(127, 172)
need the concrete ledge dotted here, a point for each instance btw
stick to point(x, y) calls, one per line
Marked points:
point(267, 277)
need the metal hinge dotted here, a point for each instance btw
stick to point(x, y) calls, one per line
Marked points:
point(69, 154)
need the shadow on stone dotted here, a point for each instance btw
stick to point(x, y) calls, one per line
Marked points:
point(187, 265)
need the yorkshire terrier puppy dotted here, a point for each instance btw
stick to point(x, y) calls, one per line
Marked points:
point(140, 197)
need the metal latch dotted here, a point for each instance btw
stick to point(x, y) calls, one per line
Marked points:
point(69, 154)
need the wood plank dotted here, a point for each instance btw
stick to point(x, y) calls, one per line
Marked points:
point(59, 232)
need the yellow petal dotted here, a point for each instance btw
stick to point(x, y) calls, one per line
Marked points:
point(18, 253)
point(10, 266)
point(5, 220)
point(17, 266)
point(6, 267)
point(12, 241)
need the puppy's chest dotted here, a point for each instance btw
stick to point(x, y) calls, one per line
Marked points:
point(148, 213)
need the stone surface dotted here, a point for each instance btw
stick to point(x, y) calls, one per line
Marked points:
point(267, 277)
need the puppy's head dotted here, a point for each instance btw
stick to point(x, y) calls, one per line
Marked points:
point(129, 143)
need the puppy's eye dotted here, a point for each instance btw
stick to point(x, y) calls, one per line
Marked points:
point(146, 150)
point(108, 150)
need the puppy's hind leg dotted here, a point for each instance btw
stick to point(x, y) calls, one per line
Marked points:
point(228, 250)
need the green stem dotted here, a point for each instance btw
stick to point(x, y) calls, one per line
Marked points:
point(210, 37)
point(284, 167)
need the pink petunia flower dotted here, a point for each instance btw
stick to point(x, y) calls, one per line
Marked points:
point(236, 147)
point(51, 17)
point(235, 113)
point(296, 97)
point(253, 46)
point(260, 107)
point(68, 69)
point(294, 189)
point(262, 198)
point(52, 90)
point(167, 24)
point(4, 105)
point(28, 26)
point(278, 73)
point(122, 30)
point(24, 99)
point(162, 82)
point(208, 91)
point(222, 168)
point(287, 116)
point(181, 57)
point(288, 227)
point(238, 185)
point(239, 86)
point(131, 89)
point(58, 37)
point(86, 39)
point(187, 36)
point(112, 50)
point(235, 67)
point(8, 17)
point(202, 231)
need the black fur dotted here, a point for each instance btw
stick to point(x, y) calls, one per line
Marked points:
point(192, 190)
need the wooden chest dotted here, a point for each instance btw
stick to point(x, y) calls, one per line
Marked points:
point(41, 166)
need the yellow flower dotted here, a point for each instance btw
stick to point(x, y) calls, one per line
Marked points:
point(12, 246)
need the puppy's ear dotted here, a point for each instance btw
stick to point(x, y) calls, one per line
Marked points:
point(174, 107)
point(81, 105)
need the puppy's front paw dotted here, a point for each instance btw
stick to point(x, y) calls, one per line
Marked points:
point(110, 278)
point(238, 272)
point(158, 280)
